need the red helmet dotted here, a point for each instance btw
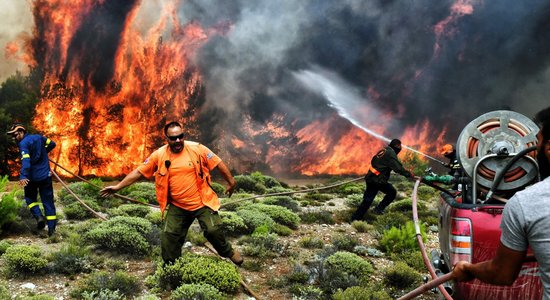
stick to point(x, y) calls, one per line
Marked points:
point(446, 149)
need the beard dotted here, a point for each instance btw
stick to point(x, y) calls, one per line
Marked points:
point(544, 164)
point(176, 147)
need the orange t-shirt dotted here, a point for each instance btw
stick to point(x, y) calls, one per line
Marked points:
point(183, 190)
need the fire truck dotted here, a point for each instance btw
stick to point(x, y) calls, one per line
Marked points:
point(497, 158)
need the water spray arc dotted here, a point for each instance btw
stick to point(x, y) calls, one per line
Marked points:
point(345, 100)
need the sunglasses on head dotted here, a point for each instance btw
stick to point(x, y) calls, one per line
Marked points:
point(175, 137)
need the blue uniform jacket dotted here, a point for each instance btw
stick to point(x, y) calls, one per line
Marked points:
point(35, 164)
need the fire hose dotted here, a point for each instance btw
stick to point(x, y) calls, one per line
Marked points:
point(95, 185)
point(438, 281)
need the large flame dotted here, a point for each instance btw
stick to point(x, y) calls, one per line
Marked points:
point(113, 76)
point(104, 128)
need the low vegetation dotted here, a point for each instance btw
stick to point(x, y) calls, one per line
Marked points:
point(299, 246)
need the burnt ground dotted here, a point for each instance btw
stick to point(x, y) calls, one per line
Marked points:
point(262, 282)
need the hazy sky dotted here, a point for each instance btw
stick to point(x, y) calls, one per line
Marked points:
point(15, 19)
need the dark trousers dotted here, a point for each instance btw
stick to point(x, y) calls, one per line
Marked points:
point(368, 198)
point(45, 189)
point(176, 224)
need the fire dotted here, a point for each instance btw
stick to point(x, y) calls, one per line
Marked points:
point(107, 94)
point(114, 75)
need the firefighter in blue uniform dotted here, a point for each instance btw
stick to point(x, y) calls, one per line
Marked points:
point(36, 175)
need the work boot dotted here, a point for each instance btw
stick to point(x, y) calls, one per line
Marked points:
point(236, 258)
point(40, 222)
point(51, 231)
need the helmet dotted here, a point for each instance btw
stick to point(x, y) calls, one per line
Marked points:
point(16, 127)
point(447, 149)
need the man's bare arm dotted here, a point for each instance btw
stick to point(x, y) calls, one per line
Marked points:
point(128, 180)
point(503, 269)
point(224, 170)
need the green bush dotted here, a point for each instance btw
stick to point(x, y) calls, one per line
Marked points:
point(390, 219)
point(278, 189)
point(267, 181)
point(299, 274)
point(196, 269)
point(318, 217)
point(9, 207)
point(197, 291)
point(281, 230)
point(353, 200)
point(361, 293)
point(155, 217)
point(130, 210)
point(306, 292)
point(82, 189)
point(362, 226)
point(405, 205)
point(71, 259)
point(23, 260)
point(120, 281)
point(218, 188)
point(344, 242)
point(39, 297)
point(401, 276)
point(279, 214)
point(412, 258)
point(249, 184)
point(402, 239)
point(350, 188)
point(232, 224)
point(284, 201)
point(427, 193)
point(141, 191)
point(262, 245)
point(4, 245)
point(122, 235)
point(253, 219)
point(315, 195)
point(4, 180)
point(228, 204)
point(350, 263)
point(77, 211)
point(4, 292)
point(196, 237)
point(102, 295)
point(311, 242)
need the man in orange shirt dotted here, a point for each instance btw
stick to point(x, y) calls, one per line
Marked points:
point(182, 181)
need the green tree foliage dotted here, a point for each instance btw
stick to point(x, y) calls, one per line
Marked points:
point(18, 98)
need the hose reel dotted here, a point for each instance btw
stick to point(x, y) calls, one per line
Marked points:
point(489, 142)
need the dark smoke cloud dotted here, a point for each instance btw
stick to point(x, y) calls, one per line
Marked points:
point(95, 43)
point(491, 59)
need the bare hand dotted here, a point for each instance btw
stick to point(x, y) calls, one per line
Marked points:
point(230, 189)
point(23, 182)
point(108, 191)
point(461, 273)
